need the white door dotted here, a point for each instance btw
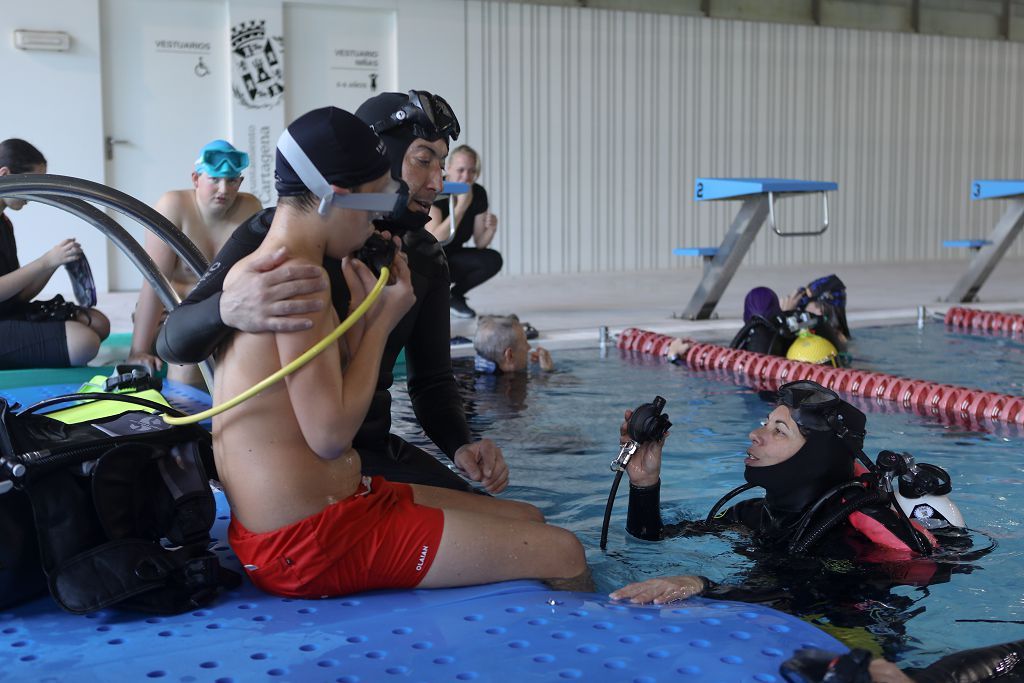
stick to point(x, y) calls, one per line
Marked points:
point(166, 92)
point(337, 56)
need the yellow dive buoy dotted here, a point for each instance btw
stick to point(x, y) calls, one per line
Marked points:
point(811, 348)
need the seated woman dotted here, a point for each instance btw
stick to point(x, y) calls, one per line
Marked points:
point(33, 335)
point(469, 266)
point(763, 328)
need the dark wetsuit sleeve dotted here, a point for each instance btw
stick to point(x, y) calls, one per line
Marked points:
point(194, 329)
point(994, 662)
point(643, 518)
point(432, 388)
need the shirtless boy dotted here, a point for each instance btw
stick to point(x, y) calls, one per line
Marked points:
point(207, 214)
point(305, 522)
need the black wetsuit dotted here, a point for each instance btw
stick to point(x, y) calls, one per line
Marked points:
point(194, 330)
point(763, 335)
point(26, 343)
point(842, 581)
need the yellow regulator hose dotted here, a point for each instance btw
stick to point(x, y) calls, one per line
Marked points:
point(309, 355)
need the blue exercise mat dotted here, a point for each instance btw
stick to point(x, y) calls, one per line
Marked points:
point(514, 631)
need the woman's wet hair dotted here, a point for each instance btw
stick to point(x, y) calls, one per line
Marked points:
point(19, 156)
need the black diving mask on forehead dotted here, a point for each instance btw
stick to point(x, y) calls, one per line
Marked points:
point(812, 406)
point(430, 116)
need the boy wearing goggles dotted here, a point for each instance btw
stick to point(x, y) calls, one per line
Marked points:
point(207, 214)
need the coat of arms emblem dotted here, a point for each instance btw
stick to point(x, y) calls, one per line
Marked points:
point(258, 76)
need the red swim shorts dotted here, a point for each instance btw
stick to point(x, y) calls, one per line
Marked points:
point(376, 538)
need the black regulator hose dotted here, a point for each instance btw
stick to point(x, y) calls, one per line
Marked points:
point(608, 509)
point(800, 545)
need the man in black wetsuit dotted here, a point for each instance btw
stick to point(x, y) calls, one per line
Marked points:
point(269, 297)
point(832, 564)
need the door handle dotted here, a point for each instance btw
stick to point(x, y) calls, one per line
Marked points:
point(108, 145)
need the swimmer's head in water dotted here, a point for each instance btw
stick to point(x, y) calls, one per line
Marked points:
point(401, 118)
point(220, 159)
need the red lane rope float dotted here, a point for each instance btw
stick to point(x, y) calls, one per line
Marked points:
point(928, 398)
point(986, 321)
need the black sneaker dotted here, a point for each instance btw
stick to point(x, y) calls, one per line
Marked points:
point(459, 308)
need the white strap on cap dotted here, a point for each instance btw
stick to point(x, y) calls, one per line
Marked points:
point(310, 176)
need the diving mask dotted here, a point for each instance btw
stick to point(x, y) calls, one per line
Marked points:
point(430, 116)
point(220, 160)
point(815, 408)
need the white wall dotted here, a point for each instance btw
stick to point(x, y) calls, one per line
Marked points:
point(54, 100)
point(593, 125)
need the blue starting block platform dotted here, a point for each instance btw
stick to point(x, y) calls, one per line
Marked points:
point(758, 196)
point(989, 251)
point(705, 189)
point(965, 244)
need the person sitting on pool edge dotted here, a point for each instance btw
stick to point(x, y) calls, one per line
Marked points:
point(33, 334)
point(304, 522)
point(270, 297)
point(206, 213)
point(501, 346)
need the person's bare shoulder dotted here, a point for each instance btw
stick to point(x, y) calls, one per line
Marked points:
point(249, 203)
point(175, 204)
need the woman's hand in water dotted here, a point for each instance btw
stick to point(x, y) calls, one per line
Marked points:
point(661, 591)
point(644, 468)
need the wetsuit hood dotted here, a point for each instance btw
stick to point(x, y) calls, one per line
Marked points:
point(793, 485)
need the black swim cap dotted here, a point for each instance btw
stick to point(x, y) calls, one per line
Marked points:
point(399, 119)
point(340, 146)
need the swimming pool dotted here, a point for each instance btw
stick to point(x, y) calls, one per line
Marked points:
point(560, 431)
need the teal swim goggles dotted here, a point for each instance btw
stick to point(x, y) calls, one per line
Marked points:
point(221, 161)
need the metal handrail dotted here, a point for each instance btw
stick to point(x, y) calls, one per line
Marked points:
point(73, 194)
point(802, 233)
point(23, 185)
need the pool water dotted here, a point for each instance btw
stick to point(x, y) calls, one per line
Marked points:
point(559, 432)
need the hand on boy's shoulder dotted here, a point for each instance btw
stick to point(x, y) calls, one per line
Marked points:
point(273, 293)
